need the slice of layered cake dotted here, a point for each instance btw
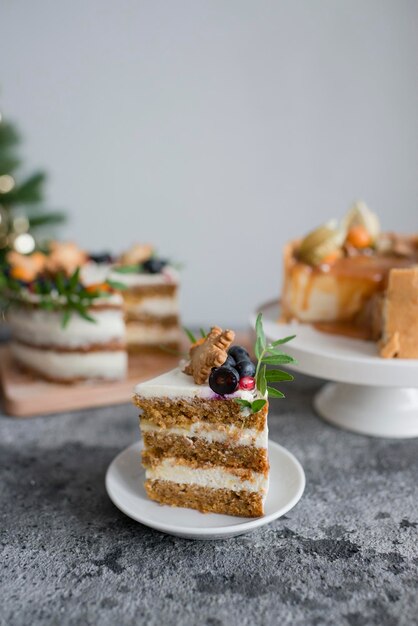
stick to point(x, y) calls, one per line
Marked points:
point(204, 427)
point(66, 320)
point(150, 299)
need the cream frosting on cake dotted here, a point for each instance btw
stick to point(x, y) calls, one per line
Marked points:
point(177, 384)
point(71, 366)
point(84, 349)
point(214, 477)
point(169, 275)
point(39, 327)
point(157, 306)
point(215, 433)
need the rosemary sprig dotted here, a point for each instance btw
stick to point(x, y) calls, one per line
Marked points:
point(191, 336)
point(268, 354)
point(137, 268)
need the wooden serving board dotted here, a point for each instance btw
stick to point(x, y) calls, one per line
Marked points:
point(26, 395)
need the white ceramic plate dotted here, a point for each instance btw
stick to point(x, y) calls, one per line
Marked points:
point(124, 485)
point(370, 395)
point(338, 358)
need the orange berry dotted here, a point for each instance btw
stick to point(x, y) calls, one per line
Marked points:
point(331, 257)
point(22, 273)
point(98, 287)
point(359, 237)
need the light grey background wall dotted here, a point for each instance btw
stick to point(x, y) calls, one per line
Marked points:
point(216, 129)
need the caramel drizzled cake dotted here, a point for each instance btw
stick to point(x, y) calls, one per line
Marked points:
point(205, 432)
point(150, 300)
point(66, 320)
point(337, 276)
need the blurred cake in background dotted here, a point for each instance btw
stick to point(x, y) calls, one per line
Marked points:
point(337, 278)
point(150, 298)
point(65, 317)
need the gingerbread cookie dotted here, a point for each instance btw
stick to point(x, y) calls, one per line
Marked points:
point(139, 253)
point(64, 257)
point(212, 352)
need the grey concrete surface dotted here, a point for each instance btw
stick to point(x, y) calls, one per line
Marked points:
point(346, 554)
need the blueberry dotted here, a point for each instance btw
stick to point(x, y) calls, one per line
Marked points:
point(223, 380)
point(238, 353)
point(154, 266)
point(245, 367)
point(230, 361)
point(103, 257)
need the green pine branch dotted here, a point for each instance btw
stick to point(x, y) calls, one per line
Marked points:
point(46, 219)
point(8, 162)
point(9, 135)
point(28, 192)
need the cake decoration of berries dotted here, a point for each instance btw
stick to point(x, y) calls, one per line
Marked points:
point(247, 383)
point(224, 380)
point(229, 370)
point(154, 265)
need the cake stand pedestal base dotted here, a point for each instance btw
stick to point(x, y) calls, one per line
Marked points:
point(376, 411)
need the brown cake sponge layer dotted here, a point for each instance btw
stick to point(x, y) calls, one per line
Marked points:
point(167, 348)
point(205, 499)
point(166, 412)
point(109, 346)
point(138, 292)
point(199, 452)
point(146, 319)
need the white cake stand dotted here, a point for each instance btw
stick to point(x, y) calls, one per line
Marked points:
point(370, 395)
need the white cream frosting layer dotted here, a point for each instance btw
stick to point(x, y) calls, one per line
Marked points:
point(177, 384)
point(151, 334)
point(40, 327)
point(201, 430)
point(168, 276)
point(158, 306)
point(114, 299)
point(68, 365)
point(312, 298)
point(214, 477)
point(93, 273)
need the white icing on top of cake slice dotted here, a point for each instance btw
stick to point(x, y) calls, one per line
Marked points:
point(169, 275)
point(177, 384)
